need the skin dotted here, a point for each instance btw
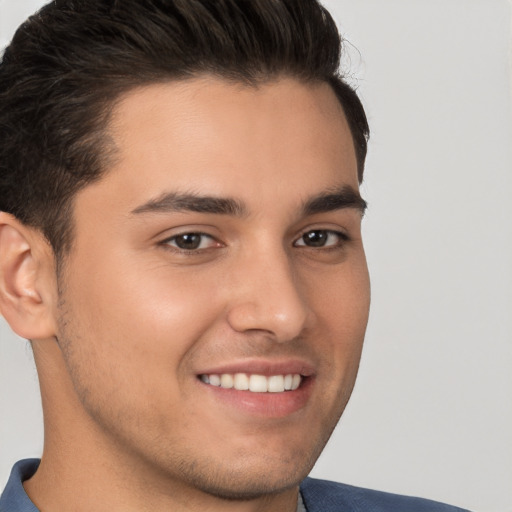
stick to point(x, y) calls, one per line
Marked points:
point(133, 320)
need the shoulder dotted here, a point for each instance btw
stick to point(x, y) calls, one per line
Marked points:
point(325, 496)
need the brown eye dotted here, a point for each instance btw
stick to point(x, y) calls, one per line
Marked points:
point(191, 241)
point(321, 238)
point(315, 238)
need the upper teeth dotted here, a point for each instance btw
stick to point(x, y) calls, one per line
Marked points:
point(255, 383)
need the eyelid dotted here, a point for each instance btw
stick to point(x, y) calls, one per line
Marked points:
point(343, 236)
point(166, 242)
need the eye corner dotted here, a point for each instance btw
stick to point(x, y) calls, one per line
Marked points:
point(190, 242)
point(322, 238)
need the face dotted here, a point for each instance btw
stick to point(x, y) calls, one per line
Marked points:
point(214, 303)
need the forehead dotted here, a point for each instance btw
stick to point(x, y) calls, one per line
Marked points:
point(279, 139)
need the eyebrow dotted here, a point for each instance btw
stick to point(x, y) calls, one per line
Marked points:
point(335, 199)
point(330, 200)
point(176, 202)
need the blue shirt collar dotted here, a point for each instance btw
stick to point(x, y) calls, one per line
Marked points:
point(14, 496)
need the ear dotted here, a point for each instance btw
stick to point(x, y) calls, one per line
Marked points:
point(28, 284)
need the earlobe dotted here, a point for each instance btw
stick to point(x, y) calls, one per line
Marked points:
point(26, 283)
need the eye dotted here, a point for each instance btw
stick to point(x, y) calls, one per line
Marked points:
point(321, 238)
point(191, 241)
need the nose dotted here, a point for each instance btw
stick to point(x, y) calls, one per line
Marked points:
point(268, 297)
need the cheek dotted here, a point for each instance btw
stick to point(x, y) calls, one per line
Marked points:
point(341, 304)
point(341, 299)
point(131, 329)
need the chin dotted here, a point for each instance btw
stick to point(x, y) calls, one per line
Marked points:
point(246, 477)
point(248, 486)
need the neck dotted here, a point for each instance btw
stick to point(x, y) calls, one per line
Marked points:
point(82, 469)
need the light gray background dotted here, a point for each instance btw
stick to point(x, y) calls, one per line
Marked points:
point(431, 414)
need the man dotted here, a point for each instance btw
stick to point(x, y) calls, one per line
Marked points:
point(180, 239)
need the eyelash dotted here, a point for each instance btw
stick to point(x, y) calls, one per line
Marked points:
point(342, 239)
point(196, 250)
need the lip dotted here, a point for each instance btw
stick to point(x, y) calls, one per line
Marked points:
point(263, 367)
point(261, 405)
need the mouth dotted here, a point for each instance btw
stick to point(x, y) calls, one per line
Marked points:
point(254, 383)
point(260, 388)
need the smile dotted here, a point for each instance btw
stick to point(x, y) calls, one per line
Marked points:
point(254, 382)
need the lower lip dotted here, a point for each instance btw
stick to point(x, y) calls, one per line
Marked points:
point(270, 405)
